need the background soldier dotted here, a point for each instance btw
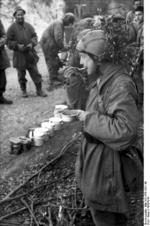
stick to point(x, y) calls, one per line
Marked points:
point(4, 63)
point(130, 14)
point(52, 42)
point(21, 38)
point(137, 62)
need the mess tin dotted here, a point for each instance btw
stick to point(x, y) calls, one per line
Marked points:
point(49, 126)
point(15, 145)
point(58, 108)
point(57, 122)
point(25, 143)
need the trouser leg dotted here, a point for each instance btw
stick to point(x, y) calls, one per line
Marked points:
point(53, 64)
point(101, 218)
point(49, 58)
point(22, 76)
point(52, 68)
point(34, 74)
point(2, 82)
point(22, 81)
point(37, 79)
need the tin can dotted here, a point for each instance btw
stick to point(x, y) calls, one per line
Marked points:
point(25, 143)
point(15, 146)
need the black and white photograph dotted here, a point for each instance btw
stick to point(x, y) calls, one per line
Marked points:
point(73, 147)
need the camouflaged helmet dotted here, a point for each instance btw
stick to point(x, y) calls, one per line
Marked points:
point(93, 43)
point(82, 34)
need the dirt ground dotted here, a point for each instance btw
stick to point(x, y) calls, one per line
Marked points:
point(16, 119)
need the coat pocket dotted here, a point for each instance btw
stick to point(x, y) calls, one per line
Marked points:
point(132, 169)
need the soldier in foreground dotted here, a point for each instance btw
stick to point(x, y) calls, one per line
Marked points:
point(110, 122)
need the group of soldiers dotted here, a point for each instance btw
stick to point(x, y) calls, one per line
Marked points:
point(104, 92)
point(126, 44)
point(22, 38)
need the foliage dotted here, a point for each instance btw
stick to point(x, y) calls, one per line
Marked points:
point(119, 48)
point(39, 13)
point(52, 10)
point(8, 6)
point(78, 27)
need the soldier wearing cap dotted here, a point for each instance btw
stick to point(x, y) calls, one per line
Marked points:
point(21, 38)
point(139, 16)
point(52, 42)
point(130, 14)
point(137, 23)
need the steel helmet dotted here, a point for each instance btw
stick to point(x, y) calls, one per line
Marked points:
point(82, 33)
point(94, 42)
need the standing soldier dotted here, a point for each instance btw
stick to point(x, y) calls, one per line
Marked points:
point(110, 123)
point(4, 63)
point(21, 38)
point(52, 42)
point(130, 14)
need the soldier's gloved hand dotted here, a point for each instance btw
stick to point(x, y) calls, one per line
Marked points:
point(21, 47)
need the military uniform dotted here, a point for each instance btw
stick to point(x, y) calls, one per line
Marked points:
point(110, 125)
point(26, 59)
point(4, 63)
point(51, 42)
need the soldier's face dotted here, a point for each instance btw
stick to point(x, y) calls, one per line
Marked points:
point(139, 17)
point(19, 16)
point(88, 63)
point(137, 3)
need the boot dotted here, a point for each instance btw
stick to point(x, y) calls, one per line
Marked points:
point(39, 90)
point(3, 100)
point(23, 89)
point(24, 94)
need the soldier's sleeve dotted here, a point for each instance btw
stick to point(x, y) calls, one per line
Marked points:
point(11, 39)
